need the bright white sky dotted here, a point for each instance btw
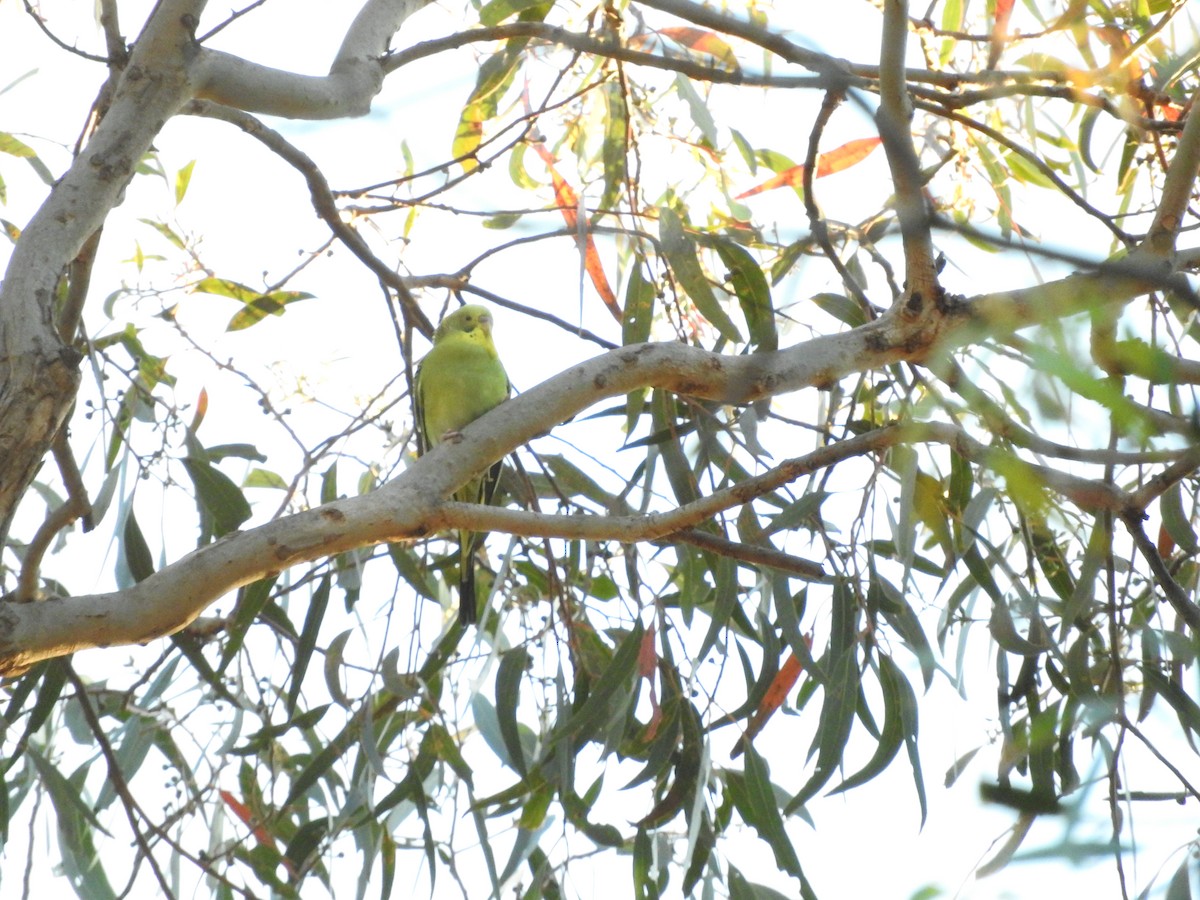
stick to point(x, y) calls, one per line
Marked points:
point(253, 212)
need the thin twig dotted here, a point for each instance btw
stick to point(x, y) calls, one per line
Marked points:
point(816, 222)
point(1175, 594)
point(322, 199)
point(116, 777)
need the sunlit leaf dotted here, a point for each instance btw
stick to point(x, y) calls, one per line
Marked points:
point(183, 178)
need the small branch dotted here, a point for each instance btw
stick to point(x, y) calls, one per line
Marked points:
point(1152, 747)
point(233, 17)
point(1002, 426)
point(76, 505)
point(322, 199)
point(1177, 190)
point(679, 522)
point(594, 46)
point(116, 777)
point(56, 40)
point(1158, 485)
point(118, 55)
point(1034, 160)
point(894, 118)
point(816, 223)
point(707, 17)
point(751, 553)
point(1176, 595)
point(79, 279)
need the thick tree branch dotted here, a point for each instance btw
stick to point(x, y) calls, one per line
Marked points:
point(38, 372)
point(412, 506)
point(353, 80)
point(595, 46)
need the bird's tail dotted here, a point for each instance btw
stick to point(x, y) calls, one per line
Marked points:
point(468, 610)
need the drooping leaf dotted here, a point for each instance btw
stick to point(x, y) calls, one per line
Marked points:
point(308, 641)
point(570, 205)
point(750, 286)
point(680, 251)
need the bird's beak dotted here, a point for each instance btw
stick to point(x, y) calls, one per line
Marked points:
point(485, 320)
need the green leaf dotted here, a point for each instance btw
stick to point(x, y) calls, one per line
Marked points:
point(750, 286)
point(572, 481)
point(639, 306)
point(804, 513)
point(509, 674)
point(76, 823)
point(895, 687)
point(15, 147)
point(264, 305)
point(411, 568)
point(52, 675)
point(615, 144)
point(223, 506)
point(256, 305)
point(305, 844)
point(899, 614)
point(760, 809)
point(1176, 521)
point(250, 601)
point(1185, 707)
point(502, 221)
point(223, 287)
point(308, 641)
point(833, 730)
point(1004, 630)
point(264, 478)
point(238, 451)
point(617, 678)
point(741, 889)
point(135, 550)
point(329, 486)
point(680, 252)
point(139, 734)
point(166, 231)
point(698, 109)
point(497, 11)
point(495, 76)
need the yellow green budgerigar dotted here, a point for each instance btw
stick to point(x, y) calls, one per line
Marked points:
point(459, 380)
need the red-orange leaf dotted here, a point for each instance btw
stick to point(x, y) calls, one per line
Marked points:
point(702, 42)
point(785, 679)
point(242, 811)
point(647, 654)
point(1004, 10)
point(697, 39)
point(647, 665)
point(201, 410)
point(567, 201)
point(845, 156)
point(835, 160)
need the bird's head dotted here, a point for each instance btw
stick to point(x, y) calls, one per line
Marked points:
point(467, 320)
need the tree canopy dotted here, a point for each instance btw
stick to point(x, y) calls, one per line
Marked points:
point(853, 355)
